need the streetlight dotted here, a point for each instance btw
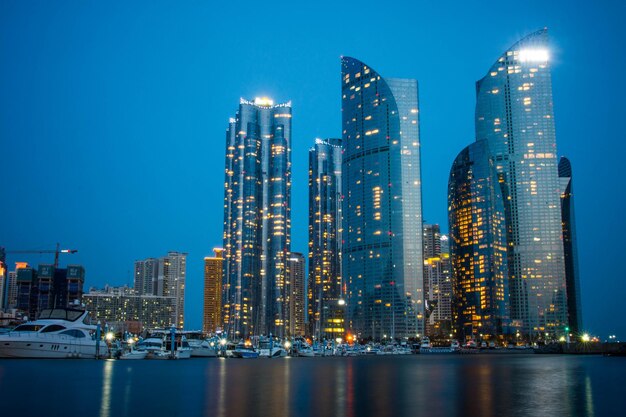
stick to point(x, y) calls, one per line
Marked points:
point(585, 337)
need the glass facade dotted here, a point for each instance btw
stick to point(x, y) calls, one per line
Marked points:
point(515, 138)
point(574, 309)
point(382, 262)
point(257, 219)
point(478, 245)
point(437, 283)
point(325, 295)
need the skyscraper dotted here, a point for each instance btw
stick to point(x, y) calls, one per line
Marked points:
point(478, 246)
point(437, 283)
point(515, 148)
point(257, 220)
point(325, 295)
point(296, 294)
point(171, 279)
point(146, 274)
point(164, 277)
point(213, 276)
point(568, 221)
point(382, 261)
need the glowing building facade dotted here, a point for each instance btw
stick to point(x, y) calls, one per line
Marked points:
point(164, 277)
point(213, 277)
point(382, 262)
point(437, 283)
point(326, 304)
point(297, 295)
point(516, 149)
point(478, 244)
point(257, 219)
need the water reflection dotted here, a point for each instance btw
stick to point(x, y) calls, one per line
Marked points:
point(107, 380)
point(486, 385)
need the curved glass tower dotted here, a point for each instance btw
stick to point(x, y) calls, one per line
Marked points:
point(515, 121)
point(257, 219)
point(382, 262)
point(478, 245)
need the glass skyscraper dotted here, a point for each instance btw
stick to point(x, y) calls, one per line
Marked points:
point(516, 143)
point(382, 262)
point(476, 211)
point(326, 304)
point(574, 309)
point(437, 283)
point(257, 219)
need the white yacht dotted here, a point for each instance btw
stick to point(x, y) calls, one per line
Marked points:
point(276, 351)
point(200, 347)
point(159, 346)
point(57, 333)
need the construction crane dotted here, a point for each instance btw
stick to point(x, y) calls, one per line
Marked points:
point(56, 252)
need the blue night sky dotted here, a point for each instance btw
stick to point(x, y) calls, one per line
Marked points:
point(113, 116)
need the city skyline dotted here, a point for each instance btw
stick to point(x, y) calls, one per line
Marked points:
point(123, 236)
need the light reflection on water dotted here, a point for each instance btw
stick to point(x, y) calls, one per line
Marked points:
point(107, 380)
point(486, 385)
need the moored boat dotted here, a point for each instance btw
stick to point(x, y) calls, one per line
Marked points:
point(58, 333)
point(245, 351)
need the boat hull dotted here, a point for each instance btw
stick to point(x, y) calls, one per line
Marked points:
point(203, 353)
point(134, 355)
point(49, 350)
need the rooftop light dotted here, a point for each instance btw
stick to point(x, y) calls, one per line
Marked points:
point(263, 101)
point(533, 55)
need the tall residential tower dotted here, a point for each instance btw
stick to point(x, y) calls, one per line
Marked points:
point(515, 157)
point(326, 304)
point(570, 251)
point(213, 277)
point(257, 223)
point(382, 262)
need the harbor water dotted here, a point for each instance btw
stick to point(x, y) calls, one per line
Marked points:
point(413, 385)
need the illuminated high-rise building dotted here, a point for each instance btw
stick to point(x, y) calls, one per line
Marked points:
point(478, 245)
point(164, 277)
point(437, 283)
point(382, 264)
point(297, 295)
point(146, 274)
point(325, 296)
point(213, 276)
point(123, 308)
point(257, 221)
point(515, 155)
point(171, 283)
point(570, 251)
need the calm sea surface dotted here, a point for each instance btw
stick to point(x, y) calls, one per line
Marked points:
point(416, 385)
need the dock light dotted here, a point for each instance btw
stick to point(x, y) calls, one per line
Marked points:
point(562, 339)
point(287, 344)
point(585, 337)
point(341, 302)
point(212, 344)
point(338, 340)
point(109, 336)
point(223, 342)
point(130, 341)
